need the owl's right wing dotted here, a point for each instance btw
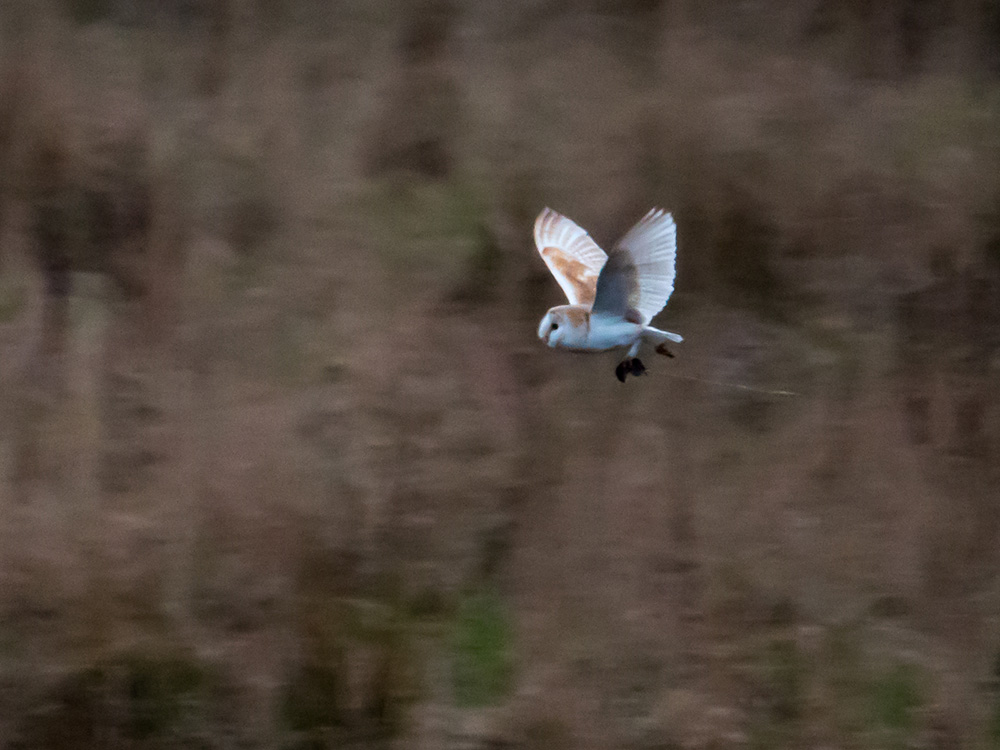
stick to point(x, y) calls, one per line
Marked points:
point(572, 256)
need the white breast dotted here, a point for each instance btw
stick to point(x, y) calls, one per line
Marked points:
point(610, 332)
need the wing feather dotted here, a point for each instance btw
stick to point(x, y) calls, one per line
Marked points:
point(640, 273)
point(572, 256)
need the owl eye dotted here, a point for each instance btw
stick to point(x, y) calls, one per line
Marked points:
point(555, 326)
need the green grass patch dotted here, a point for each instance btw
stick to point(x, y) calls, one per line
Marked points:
point(895, 697)
point(482, 642)
point(879, 704)
point(886, 706)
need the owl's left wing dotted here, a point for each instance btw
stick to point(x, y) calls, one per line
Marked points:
point(638, 278)
point(572, 256)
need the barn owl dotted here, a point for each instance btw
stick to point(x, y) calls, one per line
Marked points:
point(612, 298)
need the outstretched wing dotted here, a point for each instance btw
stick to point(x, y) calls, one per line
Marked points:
point(571, 255)
point(638, 278)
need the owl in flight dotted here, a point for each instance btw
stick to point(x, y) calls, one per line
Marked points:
point(612, 298)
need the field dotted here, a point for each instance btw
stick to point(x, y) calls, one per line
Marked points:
point(284, 464)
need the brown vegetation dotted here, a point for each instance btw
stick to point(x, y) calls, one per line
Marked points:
point(282, 463)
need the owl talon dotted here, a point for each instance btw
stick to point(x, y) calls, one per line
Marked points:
point(621, 371)
point(638, 368)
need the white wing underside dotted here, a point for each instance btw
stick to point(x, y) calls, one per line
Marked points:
point(572, 256)
point(640, 276)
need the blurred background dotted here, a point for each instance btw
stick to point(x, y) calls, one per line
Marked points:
point(283, 463)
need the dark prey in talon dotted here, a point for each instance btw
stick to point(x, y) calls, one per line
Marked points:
point(630, 366)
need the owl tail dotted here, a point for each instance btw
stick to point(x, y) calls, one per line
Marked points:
point(659, 339)
point(656, 337)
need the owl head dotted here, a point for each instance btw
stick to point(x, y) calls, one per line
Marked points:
point(565, 326)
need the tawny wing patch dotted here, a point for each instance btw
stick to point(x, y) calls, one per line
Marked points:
point(572, 256)
point(639, 278)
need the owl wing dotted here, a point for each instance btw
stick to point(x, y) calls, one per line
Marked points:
point(638, 278)
point(571, 255)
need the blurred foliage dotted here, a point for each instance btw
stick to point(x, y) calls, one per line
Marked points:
point(429, 604)
point(844, 672)
point(895, 696)
point(890, 607)
point(481, 280)
point(13, 298)
point(427, 227)
point(746, 249)
point(313, 700)
point(781, 683)
point(993, 704)
point(89, 11)
point(358, 670)
point(547, 733)
point(236, 198)
point(317, 699)
point(785, 673)
point(991, 244)
point(146, 698)
point(159, 691)
point(482, 644)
